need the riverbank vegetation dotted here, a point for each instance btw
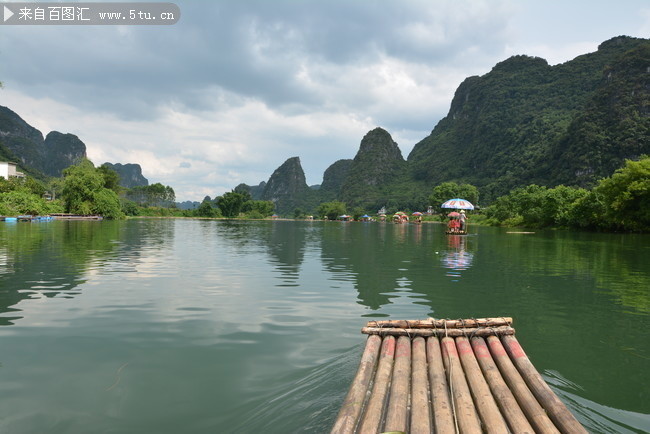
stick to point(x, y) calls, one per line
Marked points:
point(25, 196)
point(620, 202)
point(617, 203)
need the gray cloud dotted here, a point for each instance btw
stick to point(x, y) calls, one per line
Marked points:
point(254, 49)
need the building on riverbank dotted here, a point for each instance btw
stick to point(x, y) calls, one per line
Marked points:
point(8, 169)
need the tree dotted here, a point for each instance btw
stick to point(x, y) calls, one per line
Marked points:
point(152, 195)
point(107, 204)
point(331, 210)
point(84, 192)
point(207, 209)
point(450, 190)
point(263, 208)
point(626, 195)
point(231, 203)
point(111, 178)
point(559, 204)
point(80, 183)
point(129, 207)
point(357, 212)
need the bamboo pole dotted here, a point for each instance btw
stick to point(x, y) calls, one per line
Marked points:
point(372, 418)
point(464, 410)
point(531, 408)
point(348, 416)
point(493, 422)
point(420, 410)
point(397, 410)
point(384, 331)
point(506, 401)
point(558, 412)
point(443, 418)
point(442, 323)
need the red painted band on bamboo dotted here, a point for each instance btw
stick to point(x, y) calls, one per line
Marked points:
point(463, 346)
point(449, 346)
point(389, 347)
point(480, 349)
point(403, 348)
point(515, 349)
point(496, 348)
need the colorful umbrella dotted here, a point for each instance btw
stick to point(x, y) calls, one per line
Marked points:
point(453, 214)
point(417, 213)
point(458, 204)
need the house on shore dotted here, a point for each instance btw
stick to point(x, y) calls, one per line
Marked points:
point(8, 169)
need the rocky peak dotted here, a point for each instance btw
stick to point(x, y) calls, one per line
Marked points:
point(379, 159)
point(377, 165)
point(48, 156)
point(289, 178)
point(12, 125)
point(130, 174)
point(378, 142)
point(61, 150)
point(287, 186)
point(334, 177)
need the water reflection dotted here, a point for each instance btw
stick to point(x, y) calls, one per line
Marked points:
point(51, 260)
point(456, 258)
point(379, 259)
point(286, 245)
point(614, 263)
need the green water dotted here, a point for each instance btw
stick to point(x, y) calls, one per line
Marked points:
point(199, 326)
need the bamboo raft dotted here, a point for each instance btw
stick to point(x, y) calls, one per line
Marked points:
point(449, 376)
point(456, 233)
point(66, 216)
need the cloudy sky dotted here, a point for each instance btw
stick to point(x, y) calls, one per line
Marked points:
point(236, 87)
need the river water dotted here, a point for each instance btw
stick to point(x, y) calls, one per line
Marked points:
point(199, 326)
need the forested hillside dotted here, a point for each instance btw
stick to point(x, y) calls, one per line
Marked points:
point(528, 122)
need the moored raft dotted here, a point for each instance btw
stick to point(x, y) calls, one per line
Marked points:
point(449, 376)
point(68, 216)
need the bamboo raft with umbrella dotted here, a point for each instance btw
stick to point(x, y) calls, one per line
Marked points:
point(462, 205)
point(449, 376)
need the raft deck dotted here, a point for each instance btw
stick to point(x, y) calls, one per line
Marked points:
point(449, 376)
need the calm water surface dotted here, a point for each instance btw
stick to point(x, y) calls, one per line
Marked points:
point(199, 326)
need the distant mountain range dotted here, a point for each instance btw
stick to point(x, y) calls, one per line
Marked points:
point(523, 122)
point(47, 157)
